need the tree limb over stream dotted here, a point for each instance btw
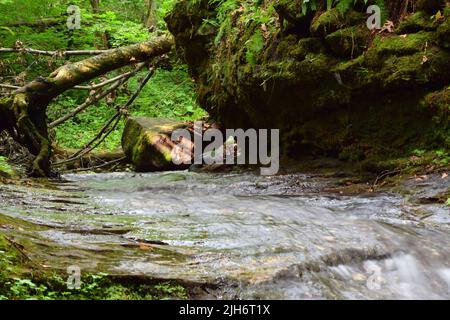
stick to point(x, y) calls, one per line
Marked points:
point(23, 111)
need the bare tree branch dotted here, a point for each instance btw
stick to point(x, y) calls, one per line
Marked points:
point(54, 53)
point(101, 165)
point(94, 99)
point(106, 82)
point(8, 86)
point(89, 102)
point(103, 134)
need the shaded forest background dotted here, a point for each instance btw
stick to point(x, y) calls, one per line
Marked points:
point(41, 25)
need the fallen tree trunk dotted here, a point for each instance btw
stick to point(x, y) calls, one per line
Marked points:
point(23, 112)
point(45, 22)
point(92, 160)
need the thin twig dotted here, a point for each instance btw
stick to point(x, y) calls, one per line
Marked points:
point(54, 53)
point(8, 86)
point(104, 83)
point(88, 147)
point(102, 135)
point(138, 91)
point(18, 247)
point(99, 166)
point(91, 100)
point(383, 175)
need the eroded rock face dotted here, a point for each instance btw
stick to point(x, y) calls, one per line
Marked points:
point(147, 143)
point(329, 84)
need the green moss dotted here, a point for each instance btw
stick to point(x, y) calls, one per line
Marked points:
point(401, 70)
point(10, 260)
point(439, 103)
point(349, 42)
point(143, 142)
point(439, 99)
point(254, 47)
point(5, 168)
point(401, 45)
point(444, 34)
point(419, 21)
point(291, 11)
point(352, 71)
point(332, 20)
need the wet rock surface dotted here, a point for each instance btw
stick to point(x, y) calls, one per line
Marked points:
point(243, 235)
point(148, 145)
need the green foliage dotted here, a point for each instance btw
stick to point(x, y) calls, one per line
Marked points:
point(5, 167)
point(93, 287)
point(120, 32)
point(79, 130)
point(342, 5)
point(440, 157)
point(254, 46)
point(419, 152)
point(253, 12)
point(170, 93)
point(170, 290)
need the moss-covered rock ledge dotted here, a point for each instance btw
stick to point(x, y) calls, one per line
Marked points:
point(333, 87)
point(21, 279)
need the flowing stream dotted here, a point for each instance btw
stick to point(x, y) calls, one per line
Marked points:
point(238, 235)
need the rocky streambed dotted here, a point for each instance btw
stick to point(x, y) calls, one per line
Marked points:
point(240, 235)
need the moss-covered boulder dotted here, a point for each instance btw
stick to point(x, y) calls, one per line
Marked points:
point(147, 143)
point(332, 88)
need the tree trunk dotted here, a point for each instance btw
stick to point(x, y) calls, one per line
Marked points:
point(151, 18)
point(103, 37)
point(95, 4)
point(23, 113)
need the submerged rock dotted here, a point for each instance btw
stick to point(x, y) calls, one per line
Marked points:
point(147, 143)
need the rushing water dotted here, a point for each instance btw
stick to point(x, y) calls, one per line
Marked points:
point(246, 236)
